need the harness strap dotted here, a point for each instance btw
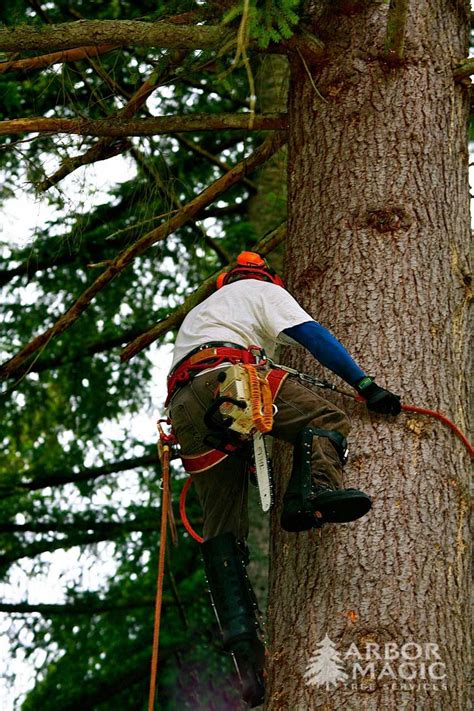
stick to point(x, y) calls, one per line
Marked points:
point(196, 463)
point(338, 441)
point(203, 359)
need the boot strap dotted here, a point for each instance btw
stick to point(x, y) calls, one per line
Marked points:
point(338, 441)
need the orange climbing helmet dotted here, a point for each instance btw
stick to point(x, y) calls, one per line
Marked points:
point(250, 265)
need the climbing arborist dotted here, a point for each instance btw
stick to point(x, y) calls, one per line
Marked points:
point(251, 307)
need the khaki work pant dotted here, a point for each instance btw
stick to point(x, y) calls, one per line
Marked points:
point(223, 489)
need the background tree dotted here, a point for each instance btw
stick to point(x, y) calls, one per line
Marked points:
point(173, 93)
point(66, 482)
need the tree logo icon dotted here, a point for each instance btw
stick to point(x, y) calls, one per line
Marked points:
point(325, 666)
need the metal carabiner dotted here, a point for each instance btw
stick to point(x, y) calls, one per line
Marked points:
point(259, 354)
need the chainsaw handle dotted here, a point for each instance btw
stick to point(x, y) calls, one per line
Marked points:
point(213, 409)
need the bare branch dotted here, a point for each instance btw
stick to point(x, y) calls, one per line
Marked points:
point(47, 60)
point(145, 127)
point(174, 320)
point(60, 477)
point(189, 211)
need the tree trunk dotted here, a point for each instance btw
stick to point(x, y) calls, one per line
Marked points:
point(376, 250)
point(266, 210)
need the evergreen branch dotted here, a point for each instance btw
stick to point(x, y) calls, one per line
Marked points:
point(60, 477)
point(37, 547)
point(149, 521)
point(100, 346)
point(70, 35)
point(271, 144)
point(214, 160)
point(464, 69)
point(48, 60)
point(171, 196)
point(85, 608)
point(49, 259)
point(106, 147)
point(396, 28)
point(30, 266)
point(106, 527)
point(145, 127)
point(131, 671)
point(174, 320)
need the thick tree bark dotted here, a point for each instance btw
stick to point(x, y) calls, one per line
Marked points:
point(376, 250)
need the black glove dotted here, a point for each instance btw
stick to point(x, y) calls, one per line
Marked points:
point(378, 399)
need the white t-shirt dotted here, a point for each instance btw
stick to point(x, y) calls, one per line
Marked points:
point(247, 312)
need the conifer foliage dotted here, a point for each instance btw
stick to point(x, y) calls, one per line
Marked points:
point(78, 467)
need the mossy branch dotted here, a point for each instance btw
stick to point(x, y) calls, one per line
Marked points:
point(71, 35)
point(145, 127)
point(464, 69)
point(396, 29)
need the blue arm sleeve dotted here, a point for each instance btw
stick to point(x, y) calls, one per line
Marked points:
point(326, 349)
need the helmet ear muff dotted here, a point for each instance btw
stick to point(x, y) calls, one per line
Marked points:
point(278, 280)
point(221, 279)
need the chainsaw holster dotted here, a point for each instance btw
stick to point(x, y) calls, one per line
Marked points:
point(313, 498)
point(236, 609)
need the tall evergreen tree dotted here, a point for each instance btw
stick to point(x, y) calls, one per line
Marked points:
point(90, 299)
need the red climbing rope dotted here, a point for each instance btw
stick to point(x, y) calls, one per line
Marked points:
point(445, 420)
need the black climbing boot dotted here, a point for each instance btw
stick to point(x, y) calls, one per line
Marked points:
point(236, 610)
point(309, 505)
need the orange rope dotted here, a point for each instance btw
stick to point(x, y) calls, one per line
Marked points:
point(164, 450)
point(183, 514)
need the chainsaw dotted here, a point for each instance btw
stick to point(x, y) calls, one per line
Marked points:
point(244, 406)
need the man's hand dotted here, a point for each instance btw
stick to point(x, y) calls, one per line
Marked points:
point(378, 399)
